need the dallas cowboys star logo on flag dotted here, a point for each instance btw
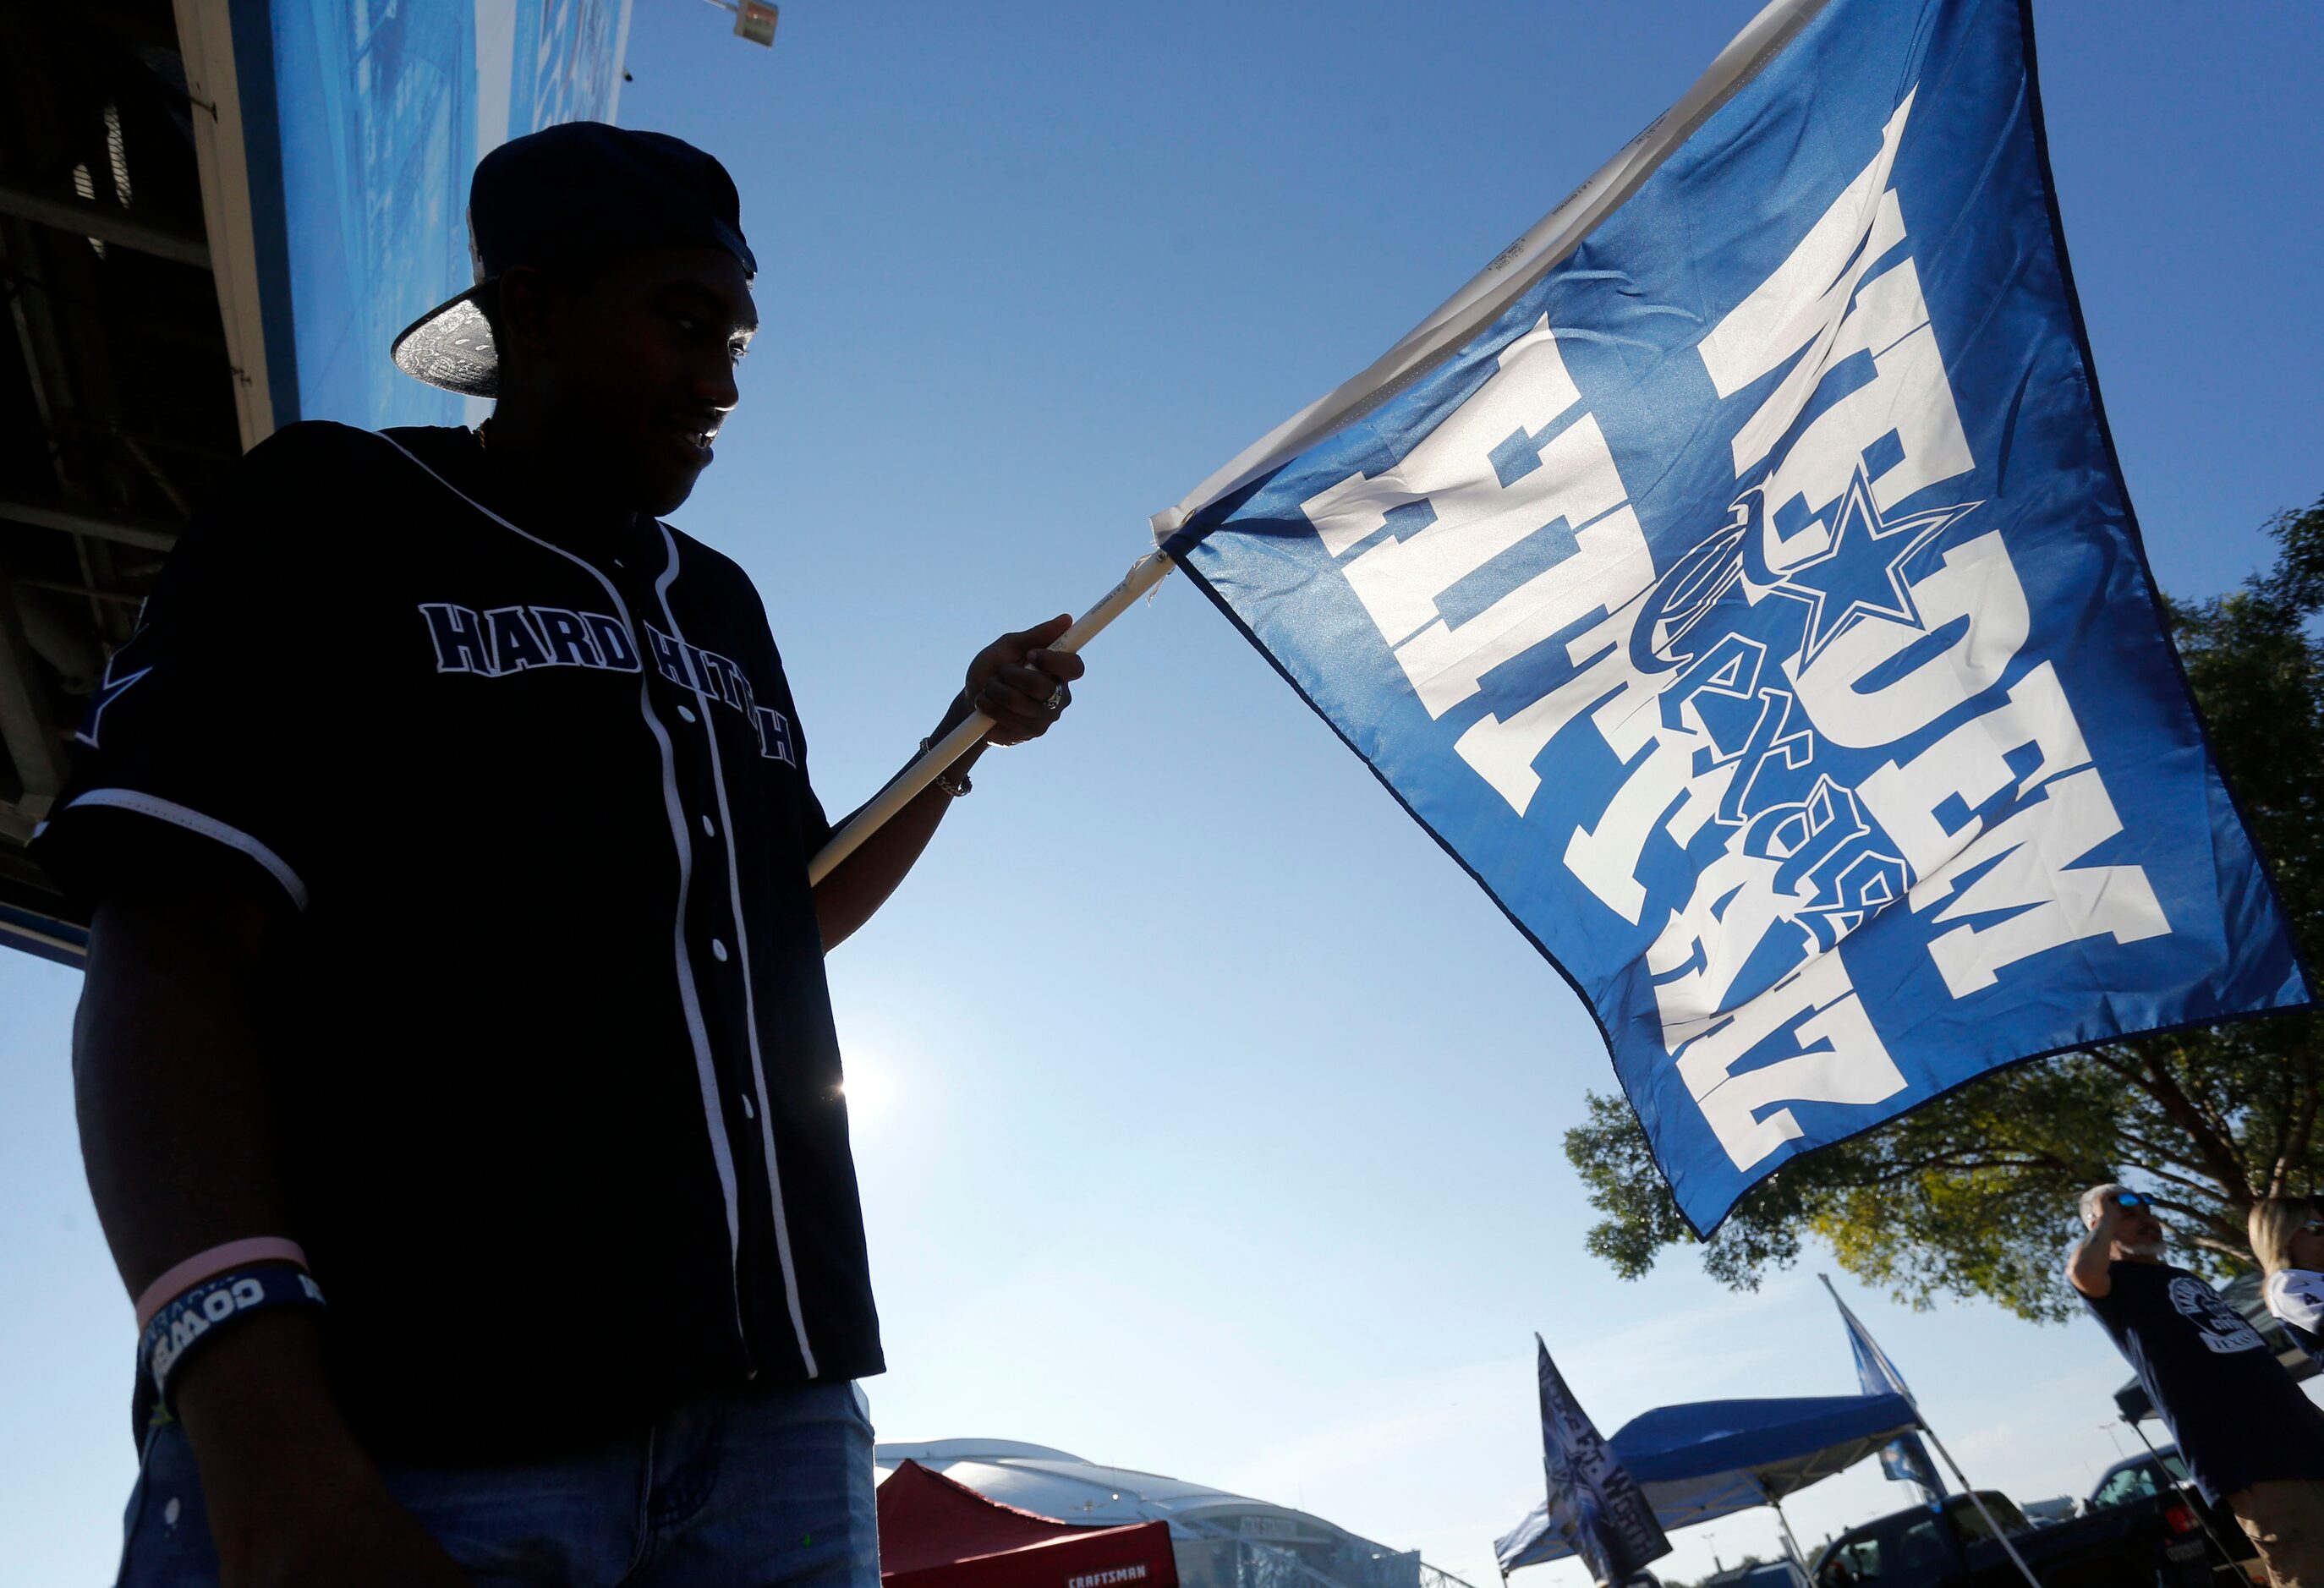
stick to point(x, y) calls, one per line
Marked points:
point(1861, 571)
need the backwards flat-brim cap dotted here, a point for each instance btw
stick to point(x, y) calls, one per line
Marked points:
point(568, 193)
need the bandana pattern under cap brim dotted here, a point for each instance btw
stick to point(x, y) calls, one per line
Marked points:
point(452, 347)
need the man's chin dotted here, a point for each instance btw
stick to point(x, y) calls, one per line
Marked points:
point(660, 497)
point(2147, 1249)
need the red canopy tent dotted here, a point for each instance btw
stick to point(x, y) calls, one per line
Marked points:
point(935, 1533)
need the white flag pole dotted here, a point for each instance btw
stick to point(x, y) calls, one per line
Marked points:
point(1143, 575)
point(1888, 1369)
point(2218, 1542)
point(1979, 1501)
point(1790, 1543)
point(1551, 238)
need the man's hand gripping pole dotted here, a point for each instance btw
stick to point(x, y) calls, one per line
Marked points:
point(1143, 575)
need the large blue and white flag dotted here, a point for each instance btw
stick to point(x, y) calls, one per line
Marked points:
point(1904, 1459)
point(1593, 1502)
point(1738, 579)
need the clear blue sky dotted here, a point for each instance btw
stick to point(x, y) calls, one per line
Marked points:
point(1209, 1120)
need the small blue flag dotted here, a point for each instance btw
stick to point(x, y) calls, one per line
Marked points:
point(1905, 1459)
point(1737, 579)
point(1594, 1503)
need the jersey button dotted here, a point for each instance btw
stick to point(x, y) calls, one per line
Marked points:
point(718, 950)
point(748, 1111)
point(708, 831)
point(685, 714)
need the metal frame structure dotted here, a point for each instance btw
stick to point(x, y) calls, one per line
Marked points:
point(120, 399)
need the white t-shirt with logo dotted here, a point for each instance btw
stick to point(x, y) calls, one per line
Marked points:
point(2297, 1297)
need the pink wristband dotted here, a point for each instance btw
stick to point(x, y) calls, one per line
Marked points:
point(218, 1260)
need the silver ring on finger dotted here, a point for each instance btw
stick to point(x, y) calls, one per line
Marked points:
point(1057, 700)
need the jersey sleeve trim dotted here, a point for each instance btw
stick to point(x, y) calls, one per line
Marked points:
point(194, 821)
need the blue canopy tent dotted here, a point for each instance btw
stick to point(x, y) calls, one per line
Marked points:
point(1714, 1457)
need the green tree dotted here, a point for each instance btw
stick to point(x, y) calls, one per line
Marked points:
point(1974, 1194)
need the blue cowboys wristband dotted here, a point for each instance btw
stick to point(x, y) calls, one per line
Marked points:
point(209, 1305)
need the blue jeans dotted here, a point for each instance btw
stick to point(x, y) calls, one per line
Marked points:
point(760, 1488)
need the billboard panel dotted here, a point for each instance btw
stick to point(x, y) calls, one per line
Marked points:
point(363, 122)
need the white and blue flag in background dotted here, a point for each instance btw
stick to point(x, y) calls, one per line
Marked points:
point(1594, 1503)
point(1904, 1459)
point(1737, 579)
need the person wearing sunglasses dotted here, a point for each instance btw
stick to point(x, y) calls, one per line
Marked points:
point(2251, 1440)
point(2287, 1236)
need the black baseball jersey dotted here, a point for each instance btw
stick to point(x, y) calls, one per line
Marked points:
point(560, 1089)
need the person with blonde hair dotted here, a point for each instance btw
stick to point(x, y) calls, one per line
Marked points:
point(2287, 1236)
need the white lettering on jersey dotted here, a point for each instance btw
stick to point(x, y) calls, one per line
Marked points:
point(510, 640)
point(2220, 1327)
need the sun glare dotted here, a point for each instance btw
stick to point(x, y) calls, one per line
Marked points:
point(869, 1089)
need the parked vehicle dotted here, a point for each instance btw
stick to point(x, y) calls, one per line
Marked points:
point(2154, 1542)
point(1762, 1574)
point(2134, 1477)
point(2162, 1471)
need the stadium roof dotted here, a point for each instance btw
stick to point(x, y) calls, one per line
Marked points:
point(1219, 1536)
point(118, 388)
point(1059, 1484)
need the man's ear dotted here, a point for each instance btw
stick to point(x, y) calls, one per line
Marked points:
point(522, 314)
